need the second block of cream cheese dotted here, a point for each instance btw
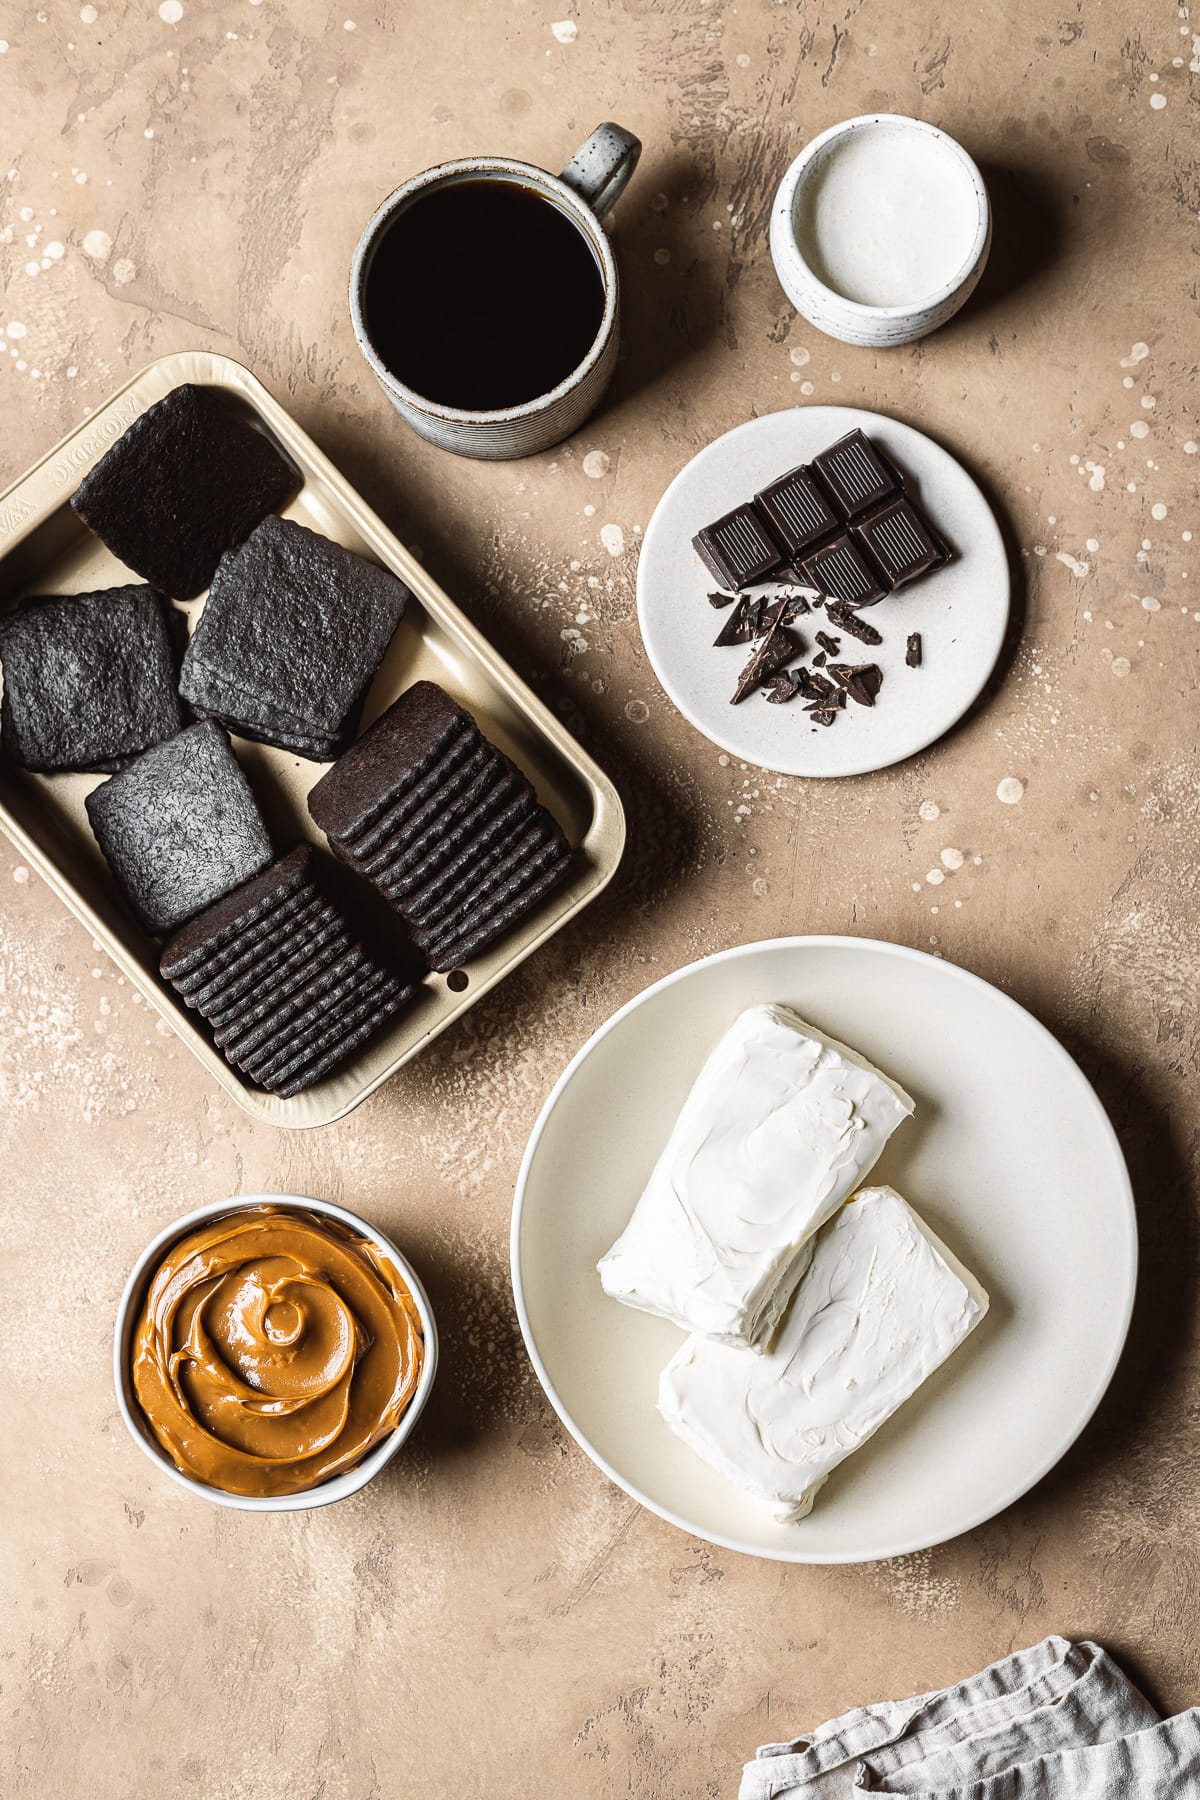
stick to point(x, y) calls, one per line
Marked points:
point(781, 1125)
point(882, 1304)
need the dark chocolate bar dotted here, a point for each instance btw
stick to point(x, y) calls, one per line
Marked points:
point(797, 510)
point(854, 475)
point(843, 572)
point(739, 548)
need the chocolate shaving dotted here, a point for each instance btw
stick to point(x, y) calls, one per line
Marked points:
point(829, 644)
point(778, 647)
point(846, 619)
point(912, 655)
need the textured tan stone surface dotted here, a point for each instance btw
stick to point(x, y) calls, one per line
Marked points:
point(493, 1617)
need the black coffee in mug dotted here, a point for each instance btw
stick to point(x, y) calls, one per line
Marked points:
point(482, 294)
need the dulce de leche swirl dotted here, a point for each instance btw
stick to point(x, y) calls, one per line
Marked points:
point(273, 1349)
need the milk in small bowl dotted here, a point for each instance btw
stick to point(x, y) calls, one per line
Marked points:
point(880, 229)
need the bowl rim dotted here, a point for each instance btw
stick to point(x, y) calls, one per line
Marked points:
point(339, 1487)
point(466, 168)
point(734, 952)
point(783, 214)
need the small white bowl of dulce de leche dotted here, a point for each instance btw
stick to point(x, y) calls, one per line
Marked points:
point(272, 1352)
point(880, 229)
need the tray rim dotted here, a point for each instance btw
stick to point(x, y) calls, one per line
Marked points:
point(30, 500)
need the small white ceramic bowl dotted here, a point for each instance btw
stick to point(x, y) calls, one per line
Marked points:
point(340, 1486)
point(851, 321)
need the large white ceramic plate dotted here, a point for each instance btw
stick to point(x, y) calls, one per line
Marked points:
point(961, 611)
point(1010, 1158)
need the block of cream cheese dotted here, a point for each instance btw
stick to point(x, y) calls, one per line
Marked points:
point(880, 1306)
point(781, 1125)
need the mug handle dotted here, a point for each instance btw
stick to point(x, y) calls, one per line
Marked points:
point(600, 169)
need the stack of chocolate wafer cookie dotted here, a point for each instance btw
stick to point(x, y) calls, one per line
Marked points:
point(277, 972)
point(442, 823)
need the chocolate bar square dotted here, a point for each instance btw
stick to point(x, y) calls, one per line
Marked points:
point(854, 475)
point(841, 571)
point(796, 509)
point(738, 548)
point(900, 541)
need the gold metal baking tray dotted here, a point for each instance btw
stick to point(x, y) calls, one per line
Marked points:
point(46, 549)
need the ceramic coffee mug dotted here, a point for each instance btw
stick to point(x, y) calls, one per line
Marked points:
point(592, 181)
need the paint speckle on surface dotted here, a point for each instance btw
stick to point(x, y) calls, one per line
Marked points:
point(170, 12)
point(637, 712)
point(1150, 604)
point(1095, 472)
point(566, 31)
point(98, 245)
point(951, 858)
point(123, 271)
point(1137, 354)
point(14, 329)
point(1073, 563)
point(1158, 510)
point(1139, 429)
point(1010, 790)
point(929, 810)
point(596, 464)
point(1158, 101)
point(935, 877)
point(662, 255)
point(613, 539)
point(88, 15)
point(800, 356)
point(1120, 665)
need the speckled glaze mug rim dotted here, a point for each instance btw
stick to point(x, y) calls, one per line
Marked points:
point(339, 1487)
point(552, 187)
point(818, 148)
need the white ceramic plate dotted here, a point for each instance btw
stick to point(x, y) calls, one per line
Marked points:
point(1010, 1158)
point(961, 611)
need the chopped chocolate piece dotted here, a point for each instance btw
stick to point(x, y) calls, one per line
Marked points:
point(783, 687)
point(89, 679)
point(738, 548)
point(842, 572)
point(179, 827)
point(862, 682)
point(847, 620)
point(912, 654)
point(900, 541)
point(822, 715)
point(717, 601)
point(778, 647)
point(188, 480)
point(744, 623)
point(814, 687)
point(786, 610)
point(830, 645)
point(797, 511)
point(854, 474)
point(820, 659)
